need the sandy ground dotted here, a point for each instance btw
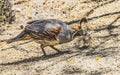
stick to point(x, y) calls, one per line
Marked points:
point(102, 58)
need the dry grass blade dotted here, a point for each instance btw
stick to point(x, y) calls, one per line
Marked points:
point(3, 44)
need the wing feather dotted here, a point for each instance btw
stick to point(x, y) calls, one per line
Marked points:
point(41, 32)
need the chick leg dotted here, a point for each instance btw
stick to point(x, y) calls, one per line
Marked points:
point(42, 47)
point(55, 48)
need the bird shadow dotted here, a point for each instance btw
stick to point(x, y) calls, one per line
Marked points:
point(92, 18)
point(91, 11)
point(15, 46)
point(105, 51)
point(33, 59)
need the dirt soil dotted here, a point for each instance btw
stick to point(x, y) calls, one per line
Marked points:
point(101, 58)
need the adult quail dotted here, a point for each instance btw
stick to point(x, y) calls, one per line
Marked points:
point(48, 32)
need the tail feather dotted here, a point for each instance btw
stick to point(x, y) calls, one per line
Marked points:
point(18, 37)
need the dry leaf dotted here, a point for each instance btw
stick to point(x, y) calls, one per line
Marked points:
point(29, 11)
point(98, 58)
point(71, 60)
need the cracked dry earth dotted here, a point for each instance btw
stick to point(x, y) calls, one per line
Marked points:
point(102, 58)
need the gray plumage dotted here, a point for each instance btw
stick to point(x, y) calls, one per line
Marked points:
point(48, 32)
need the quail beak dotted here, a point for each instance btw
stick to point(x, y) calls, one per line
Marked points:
point(75, 27)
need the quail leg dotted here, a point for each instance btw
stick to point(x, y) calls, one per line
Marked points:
point(42, 47)
point(55, 48)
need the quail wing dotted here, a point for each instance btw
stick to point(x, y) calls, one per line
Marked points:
point(43, 29)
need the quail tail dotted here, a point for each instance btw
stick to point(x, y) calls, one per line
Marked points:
point(18, 37)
